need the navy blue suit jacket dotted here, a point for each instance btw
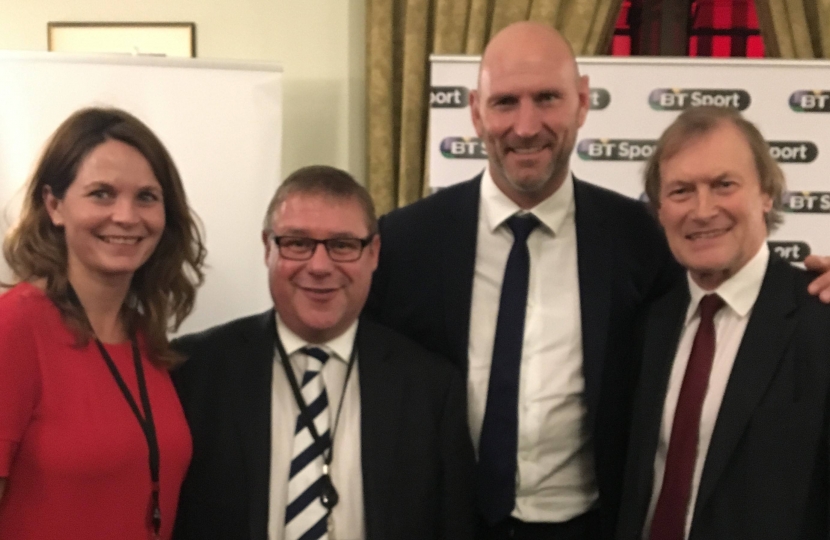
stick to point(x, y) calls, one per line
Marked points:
point(423, 288)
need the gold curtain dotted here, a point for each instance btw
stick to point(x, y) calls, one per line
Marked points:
point(401, 34)
point(795, 28)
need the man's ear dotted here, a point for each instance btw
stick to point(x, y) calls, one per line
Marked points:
point(374, 251)
point(475, 111)
point(53, 206)
point(268, 244)
point(584, 91)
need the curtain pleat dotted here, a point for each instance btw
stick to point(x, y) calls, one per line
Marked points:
point(380, 93)
point(795, 28)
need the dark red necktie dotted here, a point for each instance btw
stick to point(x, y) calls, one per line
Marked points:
point(669, 521)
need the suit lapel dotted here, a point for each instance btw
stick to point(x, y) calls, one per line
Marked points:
point(254, 372)
point(459, 255)
point(381, 395)
point(770, 327)
point(595, 275)
point(664, 327)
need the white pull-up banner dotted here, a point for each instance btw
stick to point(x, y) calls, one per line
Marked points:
point(634, 100)
point(221, 122)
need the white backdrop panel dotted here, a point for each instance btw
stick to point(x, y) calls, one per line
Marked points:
point(789, 101)
point(221, 122)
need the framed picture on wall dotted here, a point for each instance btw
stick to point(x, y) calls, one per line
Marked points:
point(151, 38)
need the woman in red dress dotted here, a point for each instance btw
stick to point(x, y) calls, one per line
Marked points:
point(107, 258)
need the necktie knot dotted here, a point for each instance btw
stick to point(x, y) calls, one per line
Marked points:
point(522, 226)
point(709, 305)
point(315, 353)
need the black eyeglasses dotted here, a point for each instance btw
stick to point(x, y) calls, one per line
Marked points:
point(300, 248)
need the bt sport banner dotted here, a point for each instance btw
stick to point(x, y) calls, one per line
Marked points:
point(634, 100)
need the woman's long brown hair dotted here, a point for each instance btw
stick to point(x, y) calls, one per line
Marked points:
point(163, 289)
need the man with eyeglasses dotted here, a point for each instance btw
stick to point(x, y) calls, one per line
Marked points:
point(308, 422)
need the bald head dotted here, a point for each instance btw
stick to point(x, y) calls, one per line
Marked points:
point(528, 107)
point(526, 44)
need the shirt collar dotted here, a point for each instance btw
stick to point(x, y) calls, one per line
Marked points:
point(341, 346)
point(552, 212)
point(740, 291)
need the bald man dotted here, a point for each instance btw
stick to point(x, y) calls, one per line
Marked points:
point(596, 259)
point(531, 281)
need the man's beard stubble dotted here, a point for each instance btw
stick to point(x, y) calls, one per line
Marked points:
point(555, 172)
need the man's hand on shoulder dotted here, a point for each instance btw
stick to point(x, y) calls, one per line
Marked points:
point(821, 285)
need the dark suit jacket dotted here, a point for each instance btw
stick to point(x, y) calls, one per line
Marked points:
point(423, 288)
point(766, 473)
point(417, 460)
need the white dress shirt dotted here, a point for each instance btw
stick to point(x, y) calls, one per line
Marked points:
point(347, 515)
point(739, 293)
point(555, 469)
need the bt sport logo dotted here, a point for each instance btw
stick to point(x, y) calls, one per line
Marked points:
point(677, 99)
point(615, 149)
point(448, 97)
point(807, 202)
point(793, 151)
point(641, 149)
point(790, 251)
point(599, 98)
point(458, 97)
point(810, 101)
point(463, 148)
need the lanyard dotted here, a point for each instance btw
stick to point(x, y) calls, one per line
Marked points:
point(328, 496)
point(148, 427)
point(145, 421)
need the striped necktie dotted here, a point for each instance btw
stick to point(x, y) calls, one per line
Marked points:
point(305, 516)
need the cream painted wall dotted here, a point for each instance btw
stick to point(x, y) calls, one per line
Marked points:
point(320, 44)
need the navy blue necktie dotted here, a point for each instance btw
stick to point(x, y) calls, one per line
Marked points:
point(499, 431)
